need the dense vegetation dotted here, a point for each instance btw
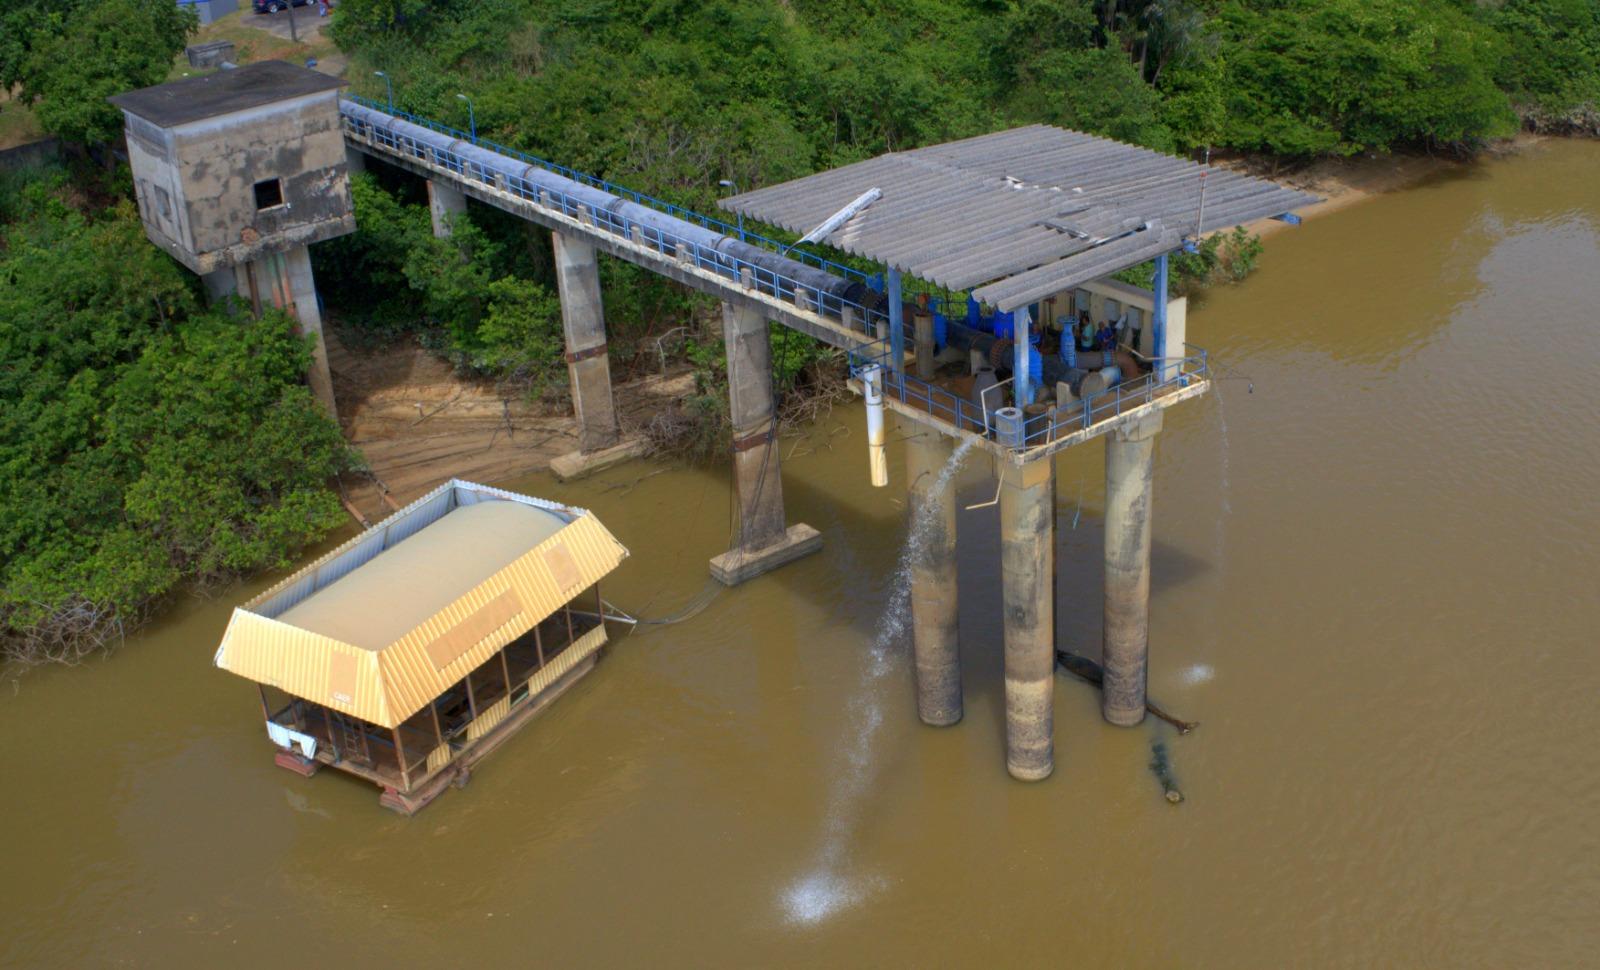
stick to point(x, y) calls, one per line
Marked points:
point(68, 56)
point(147, 442)
point(673, 98)
point(144, 441)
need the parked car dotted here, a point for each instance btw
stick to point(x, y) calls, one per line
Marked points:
point(273, 6)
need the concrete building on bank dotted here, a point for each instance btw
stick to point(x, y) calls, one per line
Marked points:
point(236, 174)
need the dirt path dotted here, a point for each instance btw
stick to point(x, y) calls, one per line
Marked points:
point(418, 424)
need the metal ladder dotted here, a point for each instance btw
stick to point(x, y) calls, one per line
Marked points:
point(349, 745)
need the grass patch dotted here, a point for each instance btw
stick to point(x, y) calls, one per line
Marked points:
point(251, 43)
point(18, 126)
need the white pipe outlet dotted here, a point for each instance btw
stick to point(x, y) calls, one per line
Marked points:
point(877, 455)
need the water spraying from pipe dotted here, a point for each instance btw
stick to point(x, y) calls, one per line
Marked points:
point(827, 888)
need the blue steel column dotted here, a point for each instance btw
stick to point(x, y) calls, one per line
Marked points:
point(1021, 324)
point(897, 325)
point(1159, 319)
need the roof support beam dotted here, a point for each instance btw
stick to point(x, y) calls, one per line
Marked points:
point(897, 325)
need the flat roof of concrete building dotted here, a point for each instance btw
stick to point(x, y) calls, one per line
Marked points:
point(226, 91)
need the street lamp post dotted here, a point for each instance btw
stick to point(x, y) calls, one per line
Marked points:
point(729, 184)
point(388, 87)
point(472, 117)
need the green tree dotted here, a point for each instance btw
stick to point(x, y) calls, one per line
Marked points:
point(1552, 63)
point(76, 60)
point(1342, 76)
point(144, 442)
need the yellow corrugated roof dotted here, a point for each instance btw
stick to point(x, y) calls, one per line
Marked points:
point(386, 683)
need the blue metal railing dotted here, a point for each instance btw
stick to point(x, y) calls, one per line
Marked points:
point(660, 205)
point(1040, 430)
point(858, 319)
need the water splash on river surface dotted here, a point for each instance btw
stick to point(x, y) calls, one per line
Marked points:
point(826, 890)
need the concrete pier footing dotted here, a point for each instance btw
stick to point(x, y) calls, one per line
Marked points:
point(1027, 551)
point(934, 618)
point(576, 464)
point(761, 542)
point(445, 202)
point(588, 364)
point(1129, 454)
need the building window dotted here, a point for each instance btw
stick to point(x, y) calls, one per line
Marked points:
point(269, 194)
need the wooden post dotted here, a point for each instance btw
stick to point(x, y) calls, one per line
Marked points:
point(433, 708)
point(571, 636)
point(400, 755)
point(472, 702)
point(505, 669)
point(538, 645)
point(266, 709)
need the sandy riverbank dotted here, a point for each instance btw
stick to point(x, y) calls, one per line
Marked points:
point(1344, 182)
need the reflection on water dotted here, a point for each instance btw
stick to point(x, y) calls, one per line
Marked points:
point(1393, 664)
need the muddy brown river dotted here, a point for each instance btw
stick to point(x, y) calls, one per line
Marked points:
point(1375, 584)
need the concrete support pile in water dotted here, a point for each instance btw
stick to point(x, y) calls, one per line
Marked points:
point(1129, 454)
point(445, 202)
point(932, 500)
point(1027, 550)
point(761, 542)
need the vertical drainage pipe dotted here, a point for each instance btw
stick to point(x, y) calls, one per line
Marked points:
point(877, 457)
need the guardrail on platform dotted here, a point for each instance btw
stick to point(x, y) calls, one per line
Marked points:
point(1041, 430)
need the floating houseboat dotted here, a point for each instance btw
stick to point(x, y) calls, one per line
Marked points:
point(410, 652)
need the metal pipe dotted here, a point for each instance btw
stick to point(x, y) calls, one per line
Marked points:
point(877, 457)
point(611, 212)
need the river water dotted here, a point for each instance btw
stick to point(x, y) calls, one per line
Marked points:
point(1375, 582)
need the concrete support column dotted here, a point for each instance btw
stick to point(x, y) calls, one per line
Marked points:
point(757, 477)
point(922, 321)
point(354, 161)
point(934, 628)
point(303, 290)
point(1027, 555)
point(221, 284)
point(584, 326)
point(445, 201)
point(284, 280)
point(1129, 453)
point(760, 541)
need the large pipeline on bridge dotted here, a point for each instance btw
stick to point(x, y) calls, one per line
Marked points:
point(483, 165)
